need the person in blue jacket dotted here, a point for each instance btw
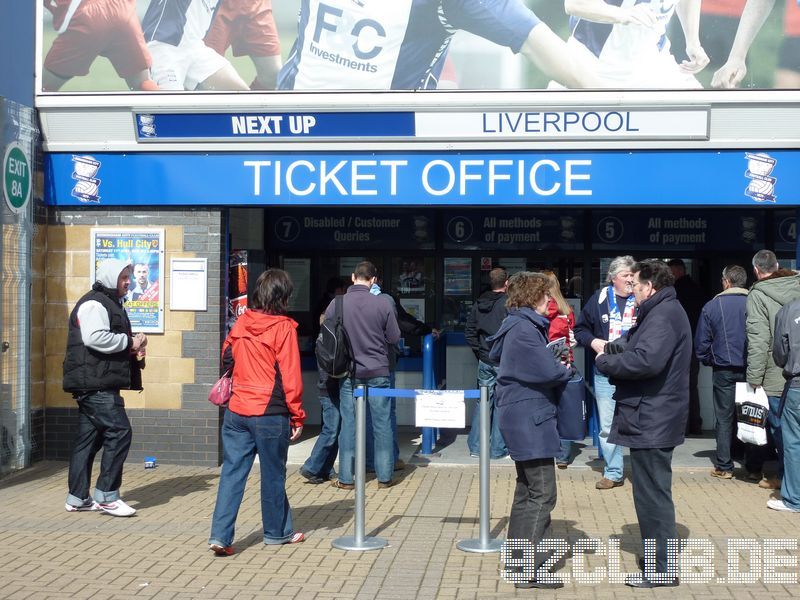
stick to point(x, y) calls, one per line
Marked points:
point(720, 343)
point(529, 381)
point(650, 369)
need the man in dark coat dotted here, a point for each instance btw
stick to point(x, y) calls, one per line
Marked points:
point(650, 368)
point(484, 321)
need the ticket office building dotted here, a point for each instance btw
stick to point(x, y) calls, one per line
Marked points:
point(433, 217)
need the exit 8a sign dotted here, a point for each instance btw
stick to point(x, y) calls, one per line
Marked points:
point(16, 177)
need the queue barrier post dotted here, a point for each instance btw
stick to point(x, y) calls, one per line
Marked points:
point(358, 541)
point(428, 383)
point(483, 544)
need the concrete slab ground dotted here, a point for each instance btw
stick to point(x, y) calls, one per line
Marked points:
point(162, 551)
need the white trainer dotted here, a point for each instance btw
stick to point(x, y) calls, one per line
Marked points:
point(87, 506)
point(117, 508)
point(776, 504)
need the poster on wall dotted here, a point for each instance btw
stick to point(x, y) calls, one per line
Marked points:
point(237, 287)
point(415, 307)
point(188, 278)
point(458, 276)
point(144, 248)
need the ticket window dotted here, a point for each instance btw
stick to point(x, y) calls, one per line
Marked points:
point(315, 279)
point(458, 292)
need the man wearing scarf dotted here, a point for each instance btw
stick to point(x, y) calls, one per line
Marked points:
point(606, 316)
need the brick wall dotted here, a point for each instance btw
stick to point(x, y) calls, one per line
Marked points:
point(172, 418)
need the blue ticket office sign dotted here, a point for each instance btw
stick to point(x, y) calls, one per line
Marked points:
point(615, 179)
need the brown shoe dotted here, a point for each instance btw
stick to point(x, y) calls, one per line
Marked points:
point(607, 484)
point(719, 473)
point(342, 486)
point(769, 484)
point(399, 464)
point(754, 476)
point(382, 485)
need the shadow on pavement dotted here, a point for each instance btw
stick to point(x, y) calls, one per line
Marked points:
point(161, 492)
point(317, 517)
point(41, 470)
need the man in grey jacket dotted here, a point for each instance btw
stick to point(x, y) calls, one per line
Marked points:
point(775, 288)
point(786, 352)
point(371, 325)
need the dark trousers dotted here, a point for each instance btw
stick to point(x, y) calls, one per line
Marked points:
point(694, 425)
point(534, 500)
point(724, 381)
point(651, 477)
point(102, 423)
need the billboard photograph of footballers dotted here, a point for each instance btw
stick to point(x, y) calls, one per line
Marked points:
point(143, 46)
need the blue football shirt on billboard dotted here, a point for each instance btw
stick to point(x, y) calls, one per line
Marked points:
point(346, 44)
point(731, 177)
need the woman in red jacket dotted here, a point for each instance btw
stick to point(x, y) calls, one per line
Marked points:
point(562, 323)
point(264, 414)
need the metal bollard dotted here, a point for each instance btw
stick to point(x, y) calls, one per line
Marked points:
point(429, 434)
point(483, 544)
point(359, 541)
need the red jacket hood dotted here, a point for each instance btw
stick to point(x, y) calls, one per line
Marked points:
point(259, 325)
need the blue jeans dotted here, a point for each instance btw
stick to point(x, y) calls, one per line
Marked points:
point(612, 454)
point(323, 455)
point(757, 455)
point(371, 434)
point(790, 426)
point(242, 438)
point(487, 375)
point(380, 412)
point(565, 453)
point(102, 423)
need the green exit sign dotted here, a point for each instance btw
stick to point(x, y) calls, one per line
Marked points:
point(16, 177)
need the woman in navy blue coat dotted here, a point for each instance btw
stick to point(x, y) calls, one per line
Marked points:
point(529, 381)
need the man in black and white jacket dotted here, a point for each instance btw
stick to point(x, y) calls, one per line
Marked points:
point(102, 358)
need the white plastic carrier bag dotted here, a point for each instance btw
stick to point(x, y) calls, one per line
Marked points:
point(752, 408)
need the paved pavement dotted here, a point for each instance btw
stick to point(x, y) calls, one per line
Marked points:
point(162, 552)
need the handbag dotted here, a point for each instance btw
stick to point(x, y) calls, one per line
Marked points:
point(220, 392)
point(752, 408)
point(571, 416)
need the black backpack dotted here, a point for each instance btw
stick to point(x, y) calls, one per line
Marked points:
point(334, 352)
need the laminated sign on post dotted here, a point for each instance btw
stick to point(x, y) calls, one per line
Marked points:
point(443, 409)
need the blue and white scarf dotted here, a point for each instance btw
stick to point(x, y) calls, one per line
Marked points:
point(619, 324)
